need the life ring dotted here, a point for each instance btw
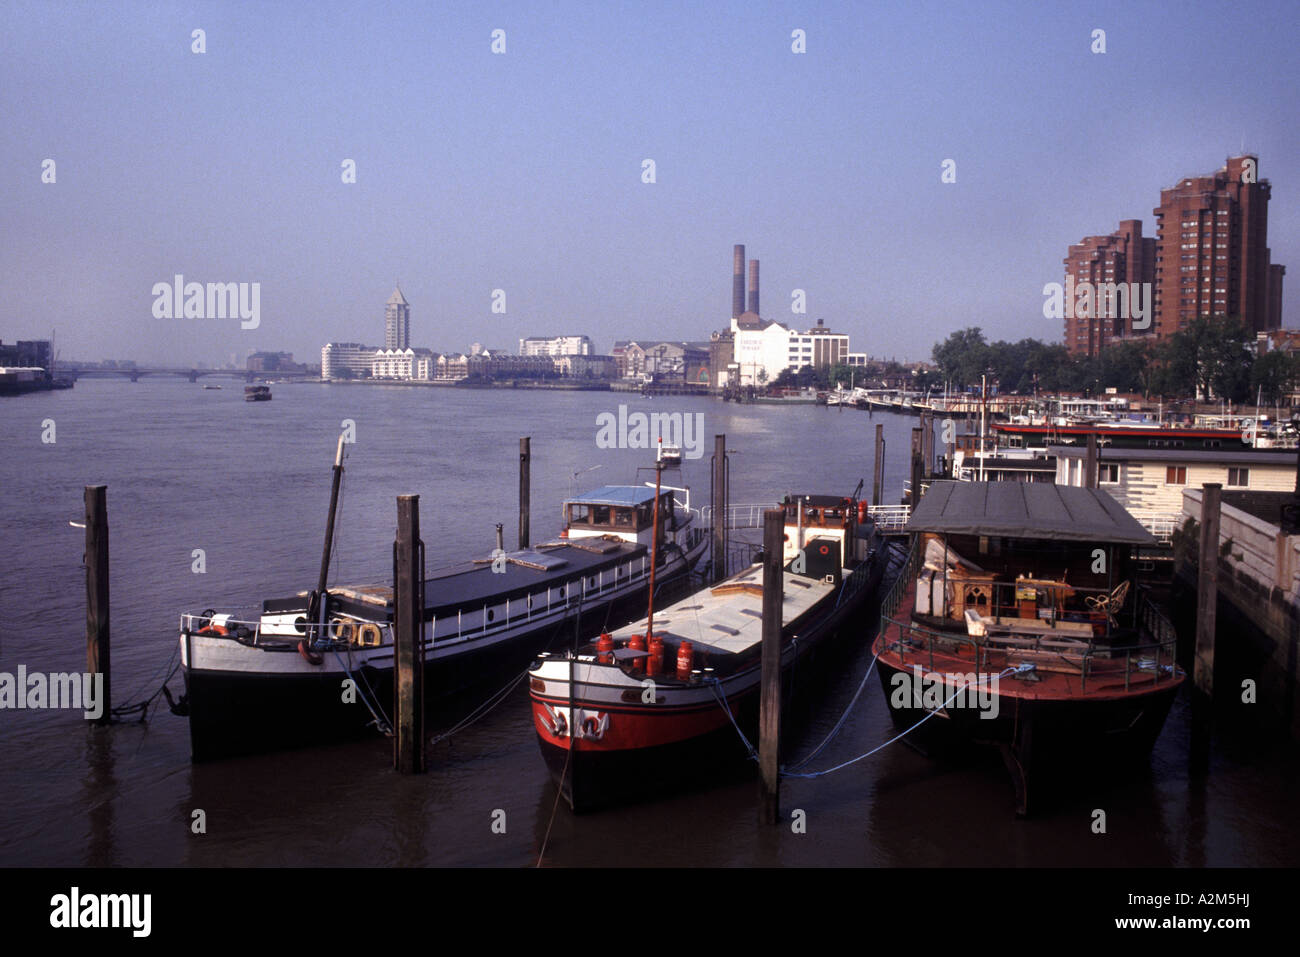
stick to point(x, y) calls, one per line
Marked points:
point(342, 629)
point(213, 630)
point(311, 656)
point(369, 635)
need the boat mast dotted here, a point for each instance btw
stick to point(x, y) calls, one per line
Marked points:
point(654, 543)
point(315, 608)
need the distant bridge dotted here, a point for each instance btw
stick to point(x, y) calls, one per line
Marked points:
point(71, 370)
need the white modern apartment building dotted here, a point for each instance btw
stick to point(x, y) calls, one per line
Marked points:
point(555, 346)
point(404, 364)
point(347, 360)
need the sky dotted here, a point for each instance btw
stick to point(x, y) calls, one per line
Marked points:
point(523, 171)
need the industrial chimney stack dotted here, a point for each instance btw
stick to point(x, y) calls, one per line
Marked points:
point(753, 287)
point(738, 284)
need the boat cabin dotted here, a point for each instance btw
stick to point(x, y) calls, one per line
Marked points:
point(624, 511)
point(1026, 561)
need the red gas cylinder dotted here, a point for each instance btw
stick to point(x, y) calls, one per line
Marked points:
point(637, 643)
point(862, 512)
point(685, 661)
point(605, 649)
point(655, 663)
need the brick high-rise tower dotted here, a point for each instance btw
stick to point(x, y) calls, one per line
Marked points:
point(1212, 255)
point(1124, 256)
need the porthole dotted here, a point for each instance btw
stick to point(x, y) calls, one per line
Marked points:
point(491, 614)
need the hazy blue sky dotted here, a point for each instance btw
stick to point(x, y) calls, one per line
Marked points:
point(522, 171)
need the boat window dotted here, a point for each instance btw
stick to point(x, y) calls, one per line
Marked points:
point(600, 515)
point(580, 513)
point(623, 517)
point(491, 614)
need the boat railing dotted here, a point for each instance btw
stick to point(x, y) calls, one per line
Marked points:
point(342, 632)
point(1156, 659)
point(1044, 603)
point(894, 597)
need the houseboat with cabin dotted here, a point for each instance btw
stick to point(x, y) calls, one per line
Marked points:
point(272, 679)
point(1016, 623)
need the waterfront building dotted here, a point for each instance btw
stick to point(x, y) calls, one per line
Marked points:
point(347, 360)
point(452, 365)
point(274, 362)
point(31, 353)
point(555, 346)
point(404, 364)
point(397, 321)
point(818, 347)
point(587, 366)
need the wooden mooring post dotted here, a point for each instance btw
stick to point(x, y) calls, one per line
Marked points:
point(525, 480)
point(98, 660)
point(408, 639)
point(719, 530)
point(878, 474)
point(918, 468)
point(1207, 597)
point(1090, 457)
point(769, 726)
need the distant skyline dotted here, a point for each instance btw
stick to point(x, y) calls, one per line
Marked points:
point(523, 171)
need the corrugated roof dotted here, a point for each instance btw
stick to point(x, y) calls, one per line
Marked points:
point(1026, 510)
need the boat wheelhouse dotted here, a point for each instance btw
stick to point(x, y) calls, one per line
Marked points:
point(1016, 623)
point(272, 679)
point(649, 704)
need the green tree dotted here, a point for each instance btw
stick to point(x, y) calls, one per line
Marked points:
point(962, 357)
point(1274, 375)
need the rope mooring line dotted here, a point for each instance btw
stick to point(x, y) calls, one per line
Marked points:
point(817, 774)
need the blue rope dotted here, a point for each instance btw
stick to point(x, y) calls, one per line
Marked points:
point(714, 684)
point(381, 723)
point(843, 718)
point(817, 774)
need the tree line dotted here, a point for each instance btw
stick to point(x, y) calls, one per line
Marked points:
point(1210, 358)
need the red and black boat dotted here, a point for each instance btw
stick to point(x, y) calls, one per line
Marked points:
point(1015, 623)
point(649, 705)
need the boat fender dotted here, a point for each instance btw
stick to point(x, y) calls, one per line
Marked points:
point(311, 656)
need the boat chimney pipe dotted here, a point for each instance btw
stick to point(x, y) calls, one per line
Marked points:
point(501, 537)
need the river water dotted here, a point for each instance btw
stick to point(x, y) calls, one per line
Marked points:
point(248, 483)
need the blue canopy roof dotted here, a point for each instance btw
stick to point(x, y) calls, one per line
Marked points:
point(627, 495)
